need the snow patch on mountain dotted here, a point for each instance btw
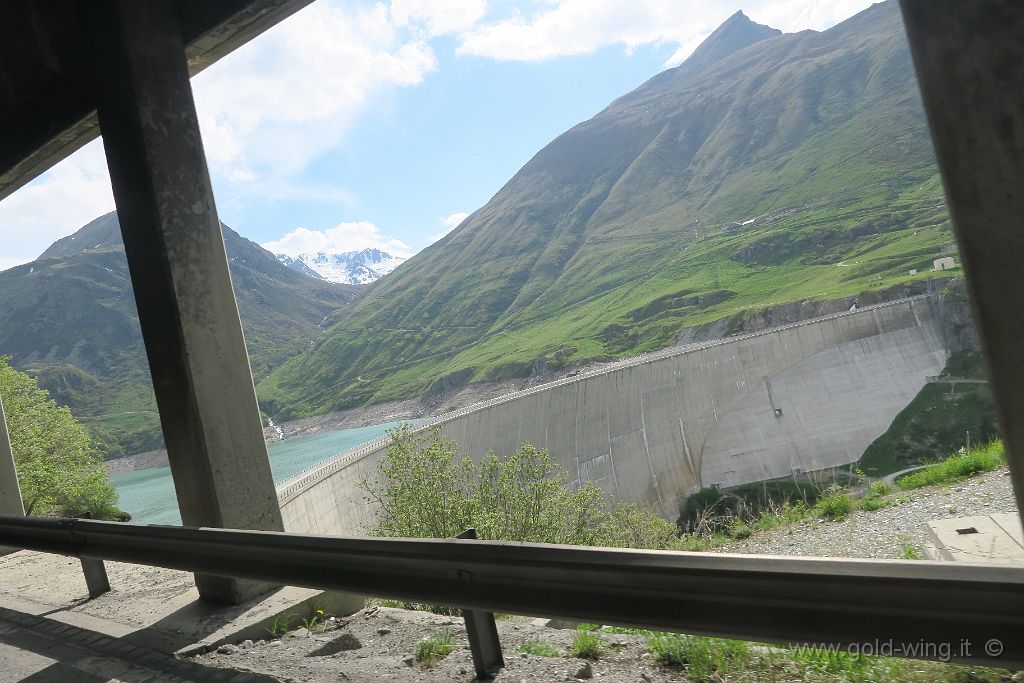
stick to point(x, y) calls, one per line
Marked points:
point(351, 267)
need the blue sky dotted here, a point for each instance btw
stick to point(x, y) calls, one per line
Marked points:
point(359, 124)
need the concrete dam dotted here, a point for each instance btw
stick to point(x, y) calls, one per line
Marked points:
point(654, 429)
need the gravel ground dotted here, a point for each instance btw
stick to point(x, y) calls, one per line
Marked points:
point(883, 533)
point(381, 642)
point(378, 643)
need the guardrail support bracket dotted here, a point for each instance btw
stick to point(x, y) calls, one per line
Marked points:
point(483, 635)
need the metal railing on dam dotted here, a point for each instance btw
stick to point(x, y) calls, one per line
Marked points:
point(841, 602)
point(324, 468)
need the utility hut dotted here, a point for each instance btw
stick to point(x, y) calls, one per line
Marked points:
point(74, 70)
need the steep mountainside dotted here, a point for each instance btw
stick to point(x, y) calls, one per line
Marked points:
point(69, 318)
point(350, 267)
point(767, 168)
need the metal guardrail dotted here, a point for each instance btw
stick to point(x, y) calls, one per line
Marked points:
point(319, 471)
point(977, 610)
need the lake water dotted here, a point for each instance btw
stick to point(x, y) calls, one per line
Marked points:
point(149, 494)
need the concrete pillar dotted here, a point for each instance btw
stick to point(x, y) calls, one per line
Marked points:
point(179, 269)
point(10, 492)
point(969, 57)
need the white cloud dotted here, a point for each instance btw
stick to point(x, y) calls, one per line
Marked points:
point(57, 203)
point(292, 95)
point(560, 28)
point(341, 238)
point(454, 219)
point(450, 222)
point(438, 17)
point(6, 263)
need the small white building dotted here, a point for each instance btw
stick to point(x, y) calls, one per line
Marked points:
point(945, 263)
point(913, 271)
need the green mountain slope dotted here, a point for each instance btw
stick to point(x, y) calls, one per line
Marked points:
point(636, 224)
point(69, 318)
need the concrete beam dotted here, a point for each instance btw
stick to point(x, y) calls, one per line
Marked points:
point(968, 57)
point(179, 269)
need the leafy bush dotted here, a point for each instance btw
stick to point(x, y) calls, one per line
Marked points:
point(540, 648)
point(426, 491)
point(834, 505)
point(957, 467)
point(586, 645)
point(60, 471)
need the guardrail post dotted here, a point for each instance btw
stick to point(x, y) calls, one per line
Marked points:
point(483, 635)
point(95, 577)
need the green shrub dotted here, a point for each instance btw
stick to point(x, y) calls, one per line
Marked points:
point(426, 491)
point(957, 467)
point(540, 648)
point(703, 658)
point(432, 648)
point(878, 489)
point(834, 506)
point(738, 529)
point(586, 644)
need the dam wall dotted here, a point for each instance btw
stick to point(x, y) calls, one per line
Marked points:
point(656, 428)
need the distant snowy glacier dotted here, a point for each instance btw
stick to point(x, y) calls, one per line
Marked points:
point(350, 267)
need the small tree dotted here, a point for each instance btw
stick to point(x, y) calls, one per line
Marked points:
point(426, 491)
point(59, 468)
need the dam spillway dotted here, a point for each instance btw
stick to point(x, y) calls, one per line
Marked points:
point(653, 429)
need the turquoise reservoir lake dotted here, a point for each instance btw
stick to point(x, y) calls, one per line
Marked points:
point(149, 494)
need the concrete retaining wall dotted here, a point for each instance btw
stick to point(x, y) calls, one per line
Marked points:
point(659, 427)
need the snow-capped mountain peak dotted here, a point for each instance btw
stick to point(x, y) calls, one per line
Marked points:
point(351, 267)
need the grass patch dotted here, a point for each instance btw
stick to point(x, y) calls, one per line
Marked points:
point(957, 467)
point(586, 644)
point(540, 648)
point(872, 504)
point(433, 648)
point(280, 625)
point(704, 659)
point(909, 552)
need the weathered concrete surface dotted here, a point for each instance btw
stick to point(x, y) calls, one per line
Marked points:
point(653, 429)
point(180, 275)
point(988, 538)
point(153, 607)
point(10, 493)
